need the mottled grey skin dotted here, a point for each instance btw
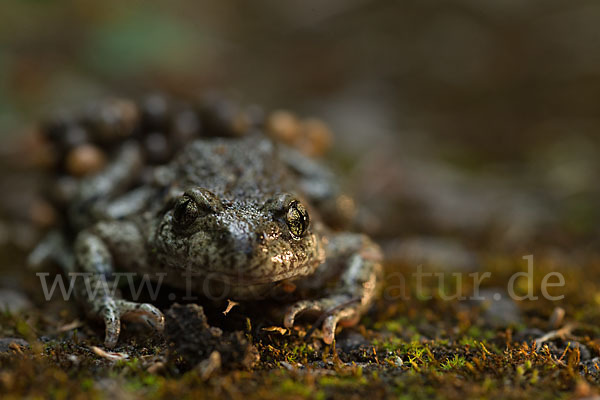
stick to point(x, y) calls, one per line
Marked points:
point(231, 213)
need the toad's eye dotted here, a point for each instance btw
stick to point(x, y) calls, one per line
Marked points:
point(186, 211)
point(297, 219)
point(195, 203)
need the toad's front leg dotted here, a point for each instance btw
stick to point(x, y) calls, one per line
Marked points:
point(356, 289)
point(95, 250)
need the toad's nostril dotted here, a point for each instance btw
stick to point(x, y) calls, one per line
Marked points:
point(261, 238)
point(240, 238)
point(243, 245)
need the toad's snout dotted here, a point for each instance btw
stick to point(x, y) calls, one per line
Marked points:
point(240, 238)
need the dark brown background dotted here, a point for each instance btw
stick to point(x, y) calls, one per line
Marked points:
point(476, 113)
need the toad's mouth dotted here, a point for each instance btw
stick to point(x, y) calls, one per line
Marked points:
point(243, 278)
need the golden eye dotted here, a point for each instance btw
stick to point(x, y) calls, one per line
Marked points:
point(297, 219)
point(186, 211)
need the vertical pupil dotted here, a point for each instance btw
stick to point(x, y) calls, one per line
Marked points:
point(297, 219)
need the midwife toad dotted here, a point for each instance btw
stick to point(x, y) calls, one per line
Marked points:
point(238, 215)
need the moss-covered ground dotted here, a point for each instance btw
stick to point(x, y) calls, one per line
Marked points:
point(413, 347)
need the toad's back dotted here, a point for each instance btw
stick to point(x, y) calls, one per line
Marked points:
point(248, 168)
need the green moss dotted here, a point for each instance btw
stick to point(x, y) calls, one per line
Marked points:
point(414, 349)
point(456, 362)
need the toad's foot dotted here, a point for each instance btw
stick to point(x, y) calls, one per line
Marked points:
point(333, 310)
point(93, 250)
point(356, 289)
point(113, 310)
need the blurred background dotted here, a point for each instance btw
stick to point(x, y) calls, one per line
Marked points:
point(457, 118)
point(467, 132)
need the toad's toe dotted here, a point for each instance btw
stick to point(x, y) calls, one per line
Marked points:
point(112, 323)
point(142, 312)
point(348, 316)
point(333, 310)
point(298, 308)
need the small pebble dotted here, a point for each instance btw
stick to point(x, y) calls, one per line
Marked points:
point(498, 309)
point(557, 317)
point(43, 214)
point(55, 128)
point(222, 117)
point(350, 340)
point(186, 126)
point(316, 137)
point(85, 160)
point(73, 358)
point(397, 361)
point(284, 126)
point(155, 113)
point(240, 123)
point(64, 190)
point(75, 135)
point(114, 120)
point(157, 147)
point(130, 115)
point(209, 366)
point(286, 365)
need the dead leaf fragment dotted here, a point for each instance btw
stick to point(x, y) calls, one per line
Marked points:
point(230, 305)
point(70, 326)
point(278, 329)
point(109, 355)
